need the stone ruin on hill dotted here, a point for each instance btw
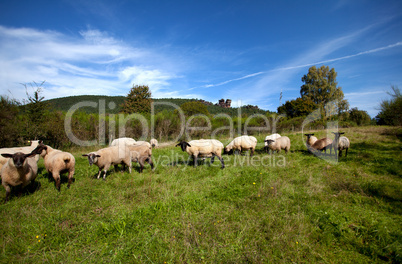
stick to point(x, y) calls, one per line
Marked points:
point(224, 104)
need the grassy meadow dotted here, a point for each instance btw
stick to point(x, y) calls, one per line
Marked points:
point(294, 208)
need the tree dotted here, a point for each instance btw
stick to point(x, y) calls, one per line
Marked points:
point(297, 107)
point(360, 117)
point(320, 86)
point(138, 100)
point(193, 108)
point(9, 125)
point(391, 110)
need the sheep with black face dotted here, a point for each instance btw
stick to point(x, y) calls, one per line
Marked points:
point(203, 148)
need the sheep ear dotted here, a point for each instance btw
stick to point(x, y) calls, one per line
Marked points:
point(6, 155)
point(85, 155)
point(97, 155)
point(178, 144)
point(188, 144)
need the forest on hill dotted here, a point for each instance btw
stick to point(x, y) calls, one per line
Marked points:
point(113, 105)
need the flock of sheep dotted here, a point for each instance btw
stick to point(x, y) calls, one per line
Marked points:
point(18, 166)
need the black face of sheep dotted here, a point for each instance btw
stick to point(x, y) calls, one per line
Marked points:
point(230, 152)
point(18, 158)
point(308, 135)
point(38, 150)
point(269, 141)
point(91, 157)
point(183, 145)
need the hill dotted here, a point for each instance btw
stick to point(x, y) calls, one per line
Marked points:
point(113, 105)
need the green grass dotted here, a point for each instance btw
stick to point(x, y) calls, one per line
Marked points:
point(297, 208)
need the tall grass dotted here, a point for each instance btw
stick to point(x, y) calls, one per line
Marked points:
point(294, 208)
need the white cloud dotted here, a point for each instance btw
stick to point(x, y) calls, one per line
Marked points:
point(93, 63)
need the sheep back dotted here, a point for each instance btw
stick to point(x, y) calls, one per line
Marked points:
point(205, 148)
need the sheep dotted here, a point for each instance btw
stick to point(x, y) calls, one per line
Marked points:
point(20, 169)
point(322, 144)
point(272, 137)
point(203, 148)
point(25, 150)
point(57, 162)
point(340, 143)
point(279, 144)
point(122, 141)
point(311, 139)
point(154, 143)
point(106, 157)
point(242, 143)
point(141, 154)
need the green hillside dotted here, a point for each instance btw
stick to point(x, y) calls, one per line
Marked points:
point(113, 104)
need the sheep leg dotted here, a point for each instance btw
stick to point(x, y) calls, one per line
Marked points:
point(56, 177)
point(340, 153)
point(141, 162)
point(104, 175)
point(99, 173)
point(149, 160)
point(213, 159)
point(221, 159)
point(8, 191)
point(70, 178)
point(251, 152)
point(195, 161)
point(346, 152)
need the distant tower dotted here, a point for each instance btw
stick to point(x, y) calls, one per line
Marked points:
point(280, 98)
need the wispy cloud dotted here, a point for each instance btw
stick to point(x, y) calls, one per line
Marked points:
point(92, 63)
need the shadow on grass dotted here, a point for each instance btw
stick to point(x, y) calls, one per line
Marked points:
point(19, 191)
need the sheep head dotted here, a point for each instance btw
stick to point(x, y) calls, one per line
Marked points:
point(183, 145)
point(92, 158)
point(18, 158)
point(269, 141)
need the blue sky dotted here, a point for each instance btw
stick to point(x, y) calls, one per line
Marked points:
point(248, 51)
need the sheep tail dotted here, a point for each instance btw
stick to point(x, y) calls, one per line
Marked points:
point(66, 159)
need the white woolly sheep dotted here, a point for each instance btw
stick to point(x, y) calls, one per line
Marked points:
point(272, 137)
point(279, 144)
point(106, 157)
point(25, 150)
point(154, 143)
point(242, 143)
point(141, 154)
point(340, 143)
point(311, 139)
point(58, 162)
point(203, 148)
point(20, 169)
point(122, 141)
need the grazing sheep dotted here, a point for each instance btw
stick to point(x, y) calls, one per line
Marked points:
point(25, 150)
point(340, 143)
point(122, 141)
point(20, 169)
point(279, 144)
point(154, 143)
point(311, 139)
point(141, 154)
point(203, 148)
point(242, 143)
point(322, 144)
point(272, 137)
point(57, 162)
point(106, 157)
